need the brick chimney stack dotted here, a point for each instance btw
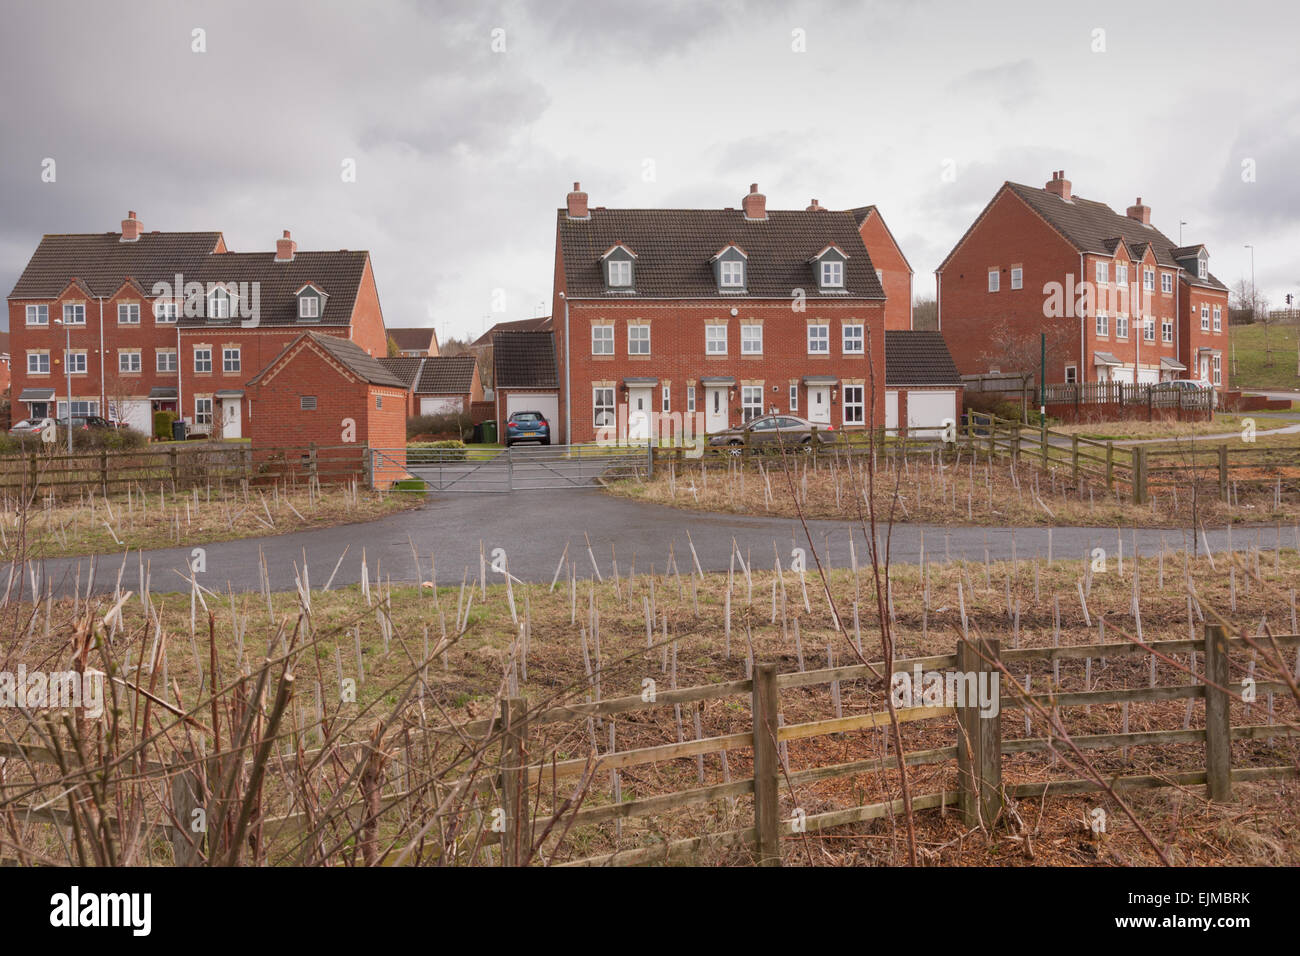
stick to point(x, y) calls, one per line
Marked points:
point(815, 206)
point(285, 247)
point(576, 202)
point(1059, 184)
point(755, 204)
point(131, 228)
point(1140, 212)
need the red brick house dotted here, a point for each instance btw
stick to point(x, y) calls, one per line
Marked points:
point(140, 344)
point(326, 390)
point(718, 315)
point(415, 342)
point(892, 267)
point(440, 384)
point(1117, 299)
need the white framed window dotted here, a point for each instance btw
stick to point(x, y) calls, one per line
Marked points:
point(1071, 374)
point(1166, 330)
point(751, 340)
point(1017, 278)
point(128, 313)
point(995, 280)
point(794, 396)
point(165, 360)
point(230, 360)
point(164, 313)
point(620, 273)
point(715, 340)
point(667, 399)
point(854, 407)
point(219, 304)
point(602, 340)
point(690, 399)
point(203, 360)
point(733, 274)
point(80, 407)
point(852, 339)
point(74, 315)
point(832, 274)
point(1205, 317)
point(1218, 318)
point(306, 403)
point(751, 402)
point(638, 340)
point(128, 361)
point(1218, 369)
point(1166, 282)
point(1103, 324)
point(880, 276)
point(1149, 280)
point(202, 411)
point(602, 405)
point(38, 363)
point(1149, 330)
point(1202, 269)
point(1103, 273)
point(308, 307)
point(76, 362)
point(819, 340)
point(38, 315)
point(1121, 274)
point(1121, 326)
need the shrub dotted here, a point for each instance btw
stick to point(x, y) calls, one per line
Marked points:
point(455, 426)
point(450, 450)
point(162, 424)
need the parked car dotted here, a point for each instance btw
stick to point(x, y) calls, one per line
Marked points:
point(770, 431)
point(30, 426)
point(86, 422)
point(527, 426)
point(1189, 386)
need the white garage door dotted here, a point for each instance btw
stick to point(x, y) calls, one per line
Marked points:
point(891, 408)
point(138, 414)
point(1148, 375)
point(548, 403)
point(926, 412)
point(440, 405)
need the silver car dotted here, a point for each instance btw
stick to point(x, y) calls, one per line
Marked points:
point(773, 431)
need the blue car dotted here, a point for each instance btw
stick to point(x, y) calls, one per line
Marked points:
point(527, 426)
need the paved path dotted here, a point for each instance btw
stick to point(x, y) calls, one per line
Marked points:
point(534, 526)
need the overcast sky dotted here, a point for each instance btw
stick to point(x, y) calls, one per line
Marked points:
point(462, 152)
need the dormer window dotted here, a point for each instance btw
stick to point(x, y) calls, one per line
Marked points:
point(828, 268)
point(1202, 268)
point(620, 273)
point(832, 275)
point(219, 304)
point(728, 265)
point(733, 275)
point(309, 307)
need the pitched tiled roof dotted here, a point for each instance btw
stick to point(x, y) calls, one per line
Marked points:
point(446, 375)
point(861, 214)
point(413, 338)
point(352, 356)
point(524, 360)
point(337, 274)
point(1092, 226)
point(103, 262)
point(674, 248)
point(540, 324)
point(918, 358)
point(403, 367)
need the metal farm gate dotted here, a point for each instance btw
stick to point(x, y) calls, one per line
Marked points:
point(520, 468)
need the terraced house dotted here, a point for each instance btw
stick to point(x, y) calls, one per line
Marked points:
point(717, 314)
point(147, 321)
point(1117, 298)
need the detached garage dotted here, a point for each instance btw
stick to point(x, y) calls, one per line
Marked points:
point(439, 384)
point(922, 387)
point(524, 376)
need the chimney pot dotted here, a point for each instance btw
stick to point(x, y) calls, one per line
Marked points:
point(576, 203)
point(754, 204)
point(1140, 212)
point(131, 228)
point(285, 248)
point(1059, 185)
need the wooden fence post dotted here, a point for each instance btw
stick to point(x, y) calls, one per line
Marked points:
point(103, 471)
point(979, 735)
point(1074, 457)
point(1223, 472)
point(1139, 475)
point(173, 462)
point(516, 839)
point(1110, 465)
point(185, 789)
point(764, 707)
point(1218, 721)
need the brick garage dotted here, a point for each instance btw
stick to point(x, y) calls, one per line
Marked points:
point(331, 392)
point(922, 386)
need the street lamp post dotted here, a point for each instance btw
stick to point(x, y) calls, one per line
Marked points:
point(67, 368)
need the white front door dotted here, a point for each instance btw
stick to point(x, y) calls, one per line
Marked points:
point(1205, 368)
point(638, 413)
point(1103, 373)
point(231, 418)
point(819, 404)
point(715, 408)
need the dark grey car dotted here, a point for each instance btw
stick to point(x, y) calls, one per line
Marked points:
point(773, 431)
